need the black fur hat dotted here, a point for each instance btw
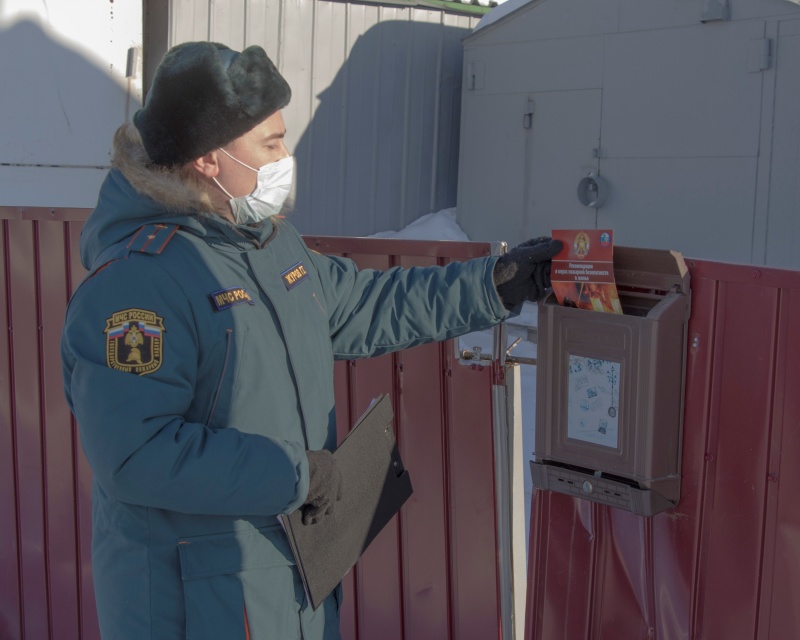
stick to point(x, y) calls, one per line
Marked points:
point(205, 95)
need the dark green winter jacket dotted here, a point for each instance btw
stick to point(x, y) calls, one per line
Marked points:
point(198, 361)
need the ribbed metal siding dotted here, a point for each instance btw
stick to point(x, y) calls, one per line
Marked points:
point(432, 575)
point(45, 488)
point(725, 564)
point(375, 113)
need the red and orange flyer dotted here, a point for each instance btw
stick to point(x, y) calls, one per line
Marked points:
point(582, 274)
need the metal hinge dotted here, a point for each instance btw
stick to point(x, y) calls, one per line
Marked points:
point(518, 359)
point(476, 354)
point(476, 74)
point(527, 114)
point(759, 56)
point(715, 11)
point(133, 66)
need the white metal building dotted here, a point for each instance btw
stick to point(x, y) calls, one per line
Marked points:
point(688, 110)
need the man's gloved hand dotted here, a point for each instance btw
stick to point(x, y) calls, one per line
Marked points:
point(524, 272)
point(324, 487)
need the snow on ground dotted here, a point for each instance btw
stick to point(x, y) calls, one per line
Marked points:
point(442, 225)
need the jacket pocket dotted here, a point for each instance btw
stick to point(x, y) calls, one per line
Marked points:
point(226, 574)
point(222, 394)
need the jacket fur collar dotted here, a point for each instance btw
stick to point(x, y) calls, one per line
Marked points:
point(169, 187)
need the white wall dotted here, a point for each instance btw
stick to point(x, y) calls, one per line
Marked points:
point(64, 94)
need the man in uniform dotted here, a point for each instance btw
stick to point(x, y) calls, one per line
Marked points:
point(198, 356)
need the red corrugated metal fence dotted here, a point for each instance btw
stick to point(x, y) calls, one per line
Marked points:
point(725, 564)
point(45, 487)
point(432, 574)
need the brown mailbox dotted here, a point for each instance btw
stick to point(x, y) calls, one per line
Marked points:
point(609, 389)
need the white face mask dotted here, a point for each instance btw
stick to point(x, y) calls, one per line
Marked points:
point(273, 186)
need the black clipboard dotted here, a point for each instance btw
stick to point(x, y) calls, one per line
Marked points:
point(375, 486)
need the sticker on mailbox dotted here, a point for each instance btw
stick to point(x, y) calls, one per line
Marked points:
point(593, 401)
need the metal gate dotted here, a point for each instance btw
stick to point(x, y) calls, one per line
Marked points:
point(724, 564)
point(432, 574)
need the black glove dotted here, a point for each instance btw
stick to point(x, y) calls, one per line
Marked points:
point(324, 487)
point(524, 272)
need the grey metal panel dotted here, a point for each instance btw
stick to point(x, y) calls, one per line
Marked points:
point(564, 139)
point(492, 167)
point(698, 206)
point(377, 72)
point(698, 136)
point(421, 126)
point(636, 15)
point(374, 117)
point(448, 137)
point(188, 21)
point(747, 9)
point(681, 92)
point(653, 14)
point(546, 20)
point(539, 65)
point(325, 148)
point(761, 205)
point(518, 183)
point(783, 221)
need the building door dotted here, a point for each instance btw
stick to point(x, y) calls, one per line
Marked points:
point(680, 136)
point(491, 167)
point(783, 220)
point(561, 148)
point(520, 167)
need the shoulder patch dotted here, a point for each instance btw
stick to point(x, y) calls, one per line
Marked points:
point(152, 238)
point(134, 341)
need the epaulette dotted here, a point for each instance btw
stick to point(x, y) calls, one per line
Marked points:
point(152, 238)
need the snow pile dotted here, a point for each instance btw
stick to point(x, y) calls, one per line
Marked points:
point(441, 225)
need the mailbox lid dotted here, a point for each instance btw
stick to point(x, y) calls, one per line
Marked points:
point(657, 269)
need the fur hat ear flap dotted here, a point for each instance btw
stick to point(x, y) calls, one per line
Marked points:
point(205, 95)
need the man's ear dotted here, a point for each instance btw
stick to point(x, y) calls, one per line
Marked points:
point(207, 165)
